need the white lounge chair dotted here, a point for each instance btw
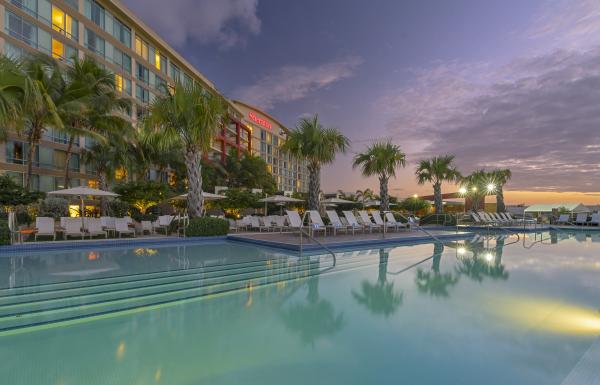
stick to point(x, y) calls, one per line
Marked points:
point(73, 228)
point(266, 223)
point(108, 223)
point(595, 219)
point(336, 223)
point(163, 222)
point(367, 222)
point(582, 219)
point(499, 219)
point(487, 218)
point(44, 226)
point(392, 222)
point(316, 223)
point(294, 220)
point(279, 222)
point(563, 219)
point(147, 226)
point(477, 219)
point(93, 227)
point(121, 227)
point(349, 215)
point(257, 224)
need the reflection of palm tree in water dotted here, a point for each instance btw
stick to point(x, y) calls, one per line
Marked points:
point(316, 317)
point(477, 267)
point(433, 282)
point(379, 298)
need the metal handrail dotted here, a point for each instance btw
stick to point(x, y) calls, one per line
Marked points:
point(302, 232)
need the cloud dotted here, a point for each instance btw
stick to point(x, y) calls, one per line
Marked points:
point(224, 22)
point(537, 115)
point(292, 83)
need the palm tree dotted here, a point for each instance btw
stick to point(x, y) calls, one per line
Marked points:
point(499, 178)
point(88, 106)
point(477, 186)
point(187, 118)
point(31, 88)
point(437, 170)
point(434, 282)
point(317, 145)
point(381, 159)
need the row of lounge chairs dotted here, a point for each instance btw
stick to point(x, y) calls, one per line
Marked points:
point(348, 223)
point(498, 219)
point(92, 227)
point(581, 219)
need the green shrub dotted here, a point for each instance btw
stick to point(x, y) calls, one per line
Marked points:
point(53, 207)
point(207, 226)
point(4, 233)
point(119, 208)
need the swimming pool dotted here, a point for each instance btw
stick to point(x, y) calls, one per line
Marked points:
point(487, 310)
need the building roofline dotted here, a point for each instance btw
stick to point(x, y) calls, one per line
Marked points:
point(250, 106)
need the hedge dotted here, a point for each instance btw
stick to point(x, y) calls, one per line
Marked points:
point(207, 226)
point(4, 232)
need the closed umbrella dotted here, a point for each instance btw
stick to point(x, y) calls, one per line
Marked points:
point(207, 196)
point(336, 201)
point(82, 192)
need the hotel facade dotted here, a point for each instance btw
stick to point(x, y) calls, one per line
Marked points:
point(143, 64)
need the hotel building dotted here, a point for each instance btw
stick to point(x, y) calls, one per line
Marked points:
point(142, 63)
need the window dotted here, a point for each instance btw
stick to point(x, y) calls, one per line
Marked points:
point(21, 29)
point(119, 82)
point(94, 42)
point(143, 74)
point(97, 14)
point(122, 32)
point(142, 94)
point(122, 60)
point(141, 48)
point(175, 73)
point(162, 60)
point(64, 23)
point(58, 49)
point(73, 3)
point(187, 80)
point(16, 152)
point(127, 87)
point(160, 84)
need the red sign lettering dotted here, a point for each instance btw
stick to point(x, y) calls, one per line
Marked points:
point(263, 122)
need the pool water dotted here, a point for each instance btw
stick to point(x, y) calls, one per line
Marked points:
point(487, 310)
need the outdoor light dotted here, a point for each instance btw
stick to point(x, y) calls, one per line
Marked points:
point(491, 187)
point(489, 257)
point(462, 190)
point(461, 250)
point(415, 196)
point(474, 189)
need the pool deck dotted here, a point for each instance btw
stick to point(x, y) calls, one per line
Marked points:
point(291, 240)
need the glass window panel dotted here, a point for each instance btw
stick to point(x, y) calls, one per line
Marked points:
point(58, 49)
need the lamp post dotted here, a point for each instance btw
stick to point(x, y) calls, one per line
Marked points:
point(415, 197)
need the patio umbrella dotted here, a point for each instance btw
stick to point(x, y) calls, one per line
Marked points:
point(279, 199)
point(207, 196)
point(83, 192)
point(336, 201)
point(371, 203)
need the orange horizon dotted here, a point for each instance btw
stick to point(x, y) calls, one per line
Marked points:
point(532, 197)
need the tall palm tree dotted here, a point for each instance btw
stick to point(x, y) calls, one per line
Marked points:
point(381, 159)
point(476, 184)
point(89, 105)
point(499, 178)
point(34, 85)
point(437, 170)
point(187, 118)
point(317, 145)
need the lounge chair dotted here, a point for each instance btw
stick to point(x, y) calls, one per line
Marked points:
point(44, 226)
point(121, 227)
point(316, 223)
point(505, 216)
point(487, 218)
point(336, 222)
point(279, 223)
point(147, 226)
point(163, 222)
point(72, 228)
point(93, 227)
point(595, 219)
point(108, 223)
point(367, 222)
point(563, 219)
point(294, 220)
point(266, 223)
point(499, 219)
point(378, 220)
point(582, 219)
point(349, 215)
point(257, 224)
point(391, 221)
point(477, 219)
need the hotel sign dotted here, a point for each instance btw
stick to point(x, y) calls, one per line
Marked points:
point(258, 120)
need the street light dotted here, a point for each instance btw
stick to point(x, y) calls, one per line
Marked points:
point(415, 197)
point(462, 190)
point(491, 187)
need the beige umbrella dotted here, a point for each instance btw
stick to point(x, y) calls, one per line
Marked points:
point(82, 192)
point(336, 201)
point(279, 199)
point(206, 195)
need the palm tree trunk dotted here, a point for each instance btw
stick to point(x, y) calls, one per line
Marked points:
point(102, 185)
point(438, 250)
point(314, 186)
point(195, 200)
point(500, 207)
point(68, 160)
point(383, 262)
point(33, 140)
point(383, 193)
point(437, 197)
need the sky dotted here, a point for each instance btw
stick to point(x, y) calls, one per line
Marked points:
point(497, 83)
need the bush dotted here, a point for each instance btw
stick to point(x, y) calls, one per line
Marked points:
point(4, 233)
point(207, 226)
point(54, 207)
point(119, 208)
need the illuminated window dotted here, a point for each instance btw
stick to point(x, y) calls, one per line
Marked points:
point(157, 60)
point(93, 184)
point(64, 23)
point(119, 82)
point(58, 49)
point(141, 48)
